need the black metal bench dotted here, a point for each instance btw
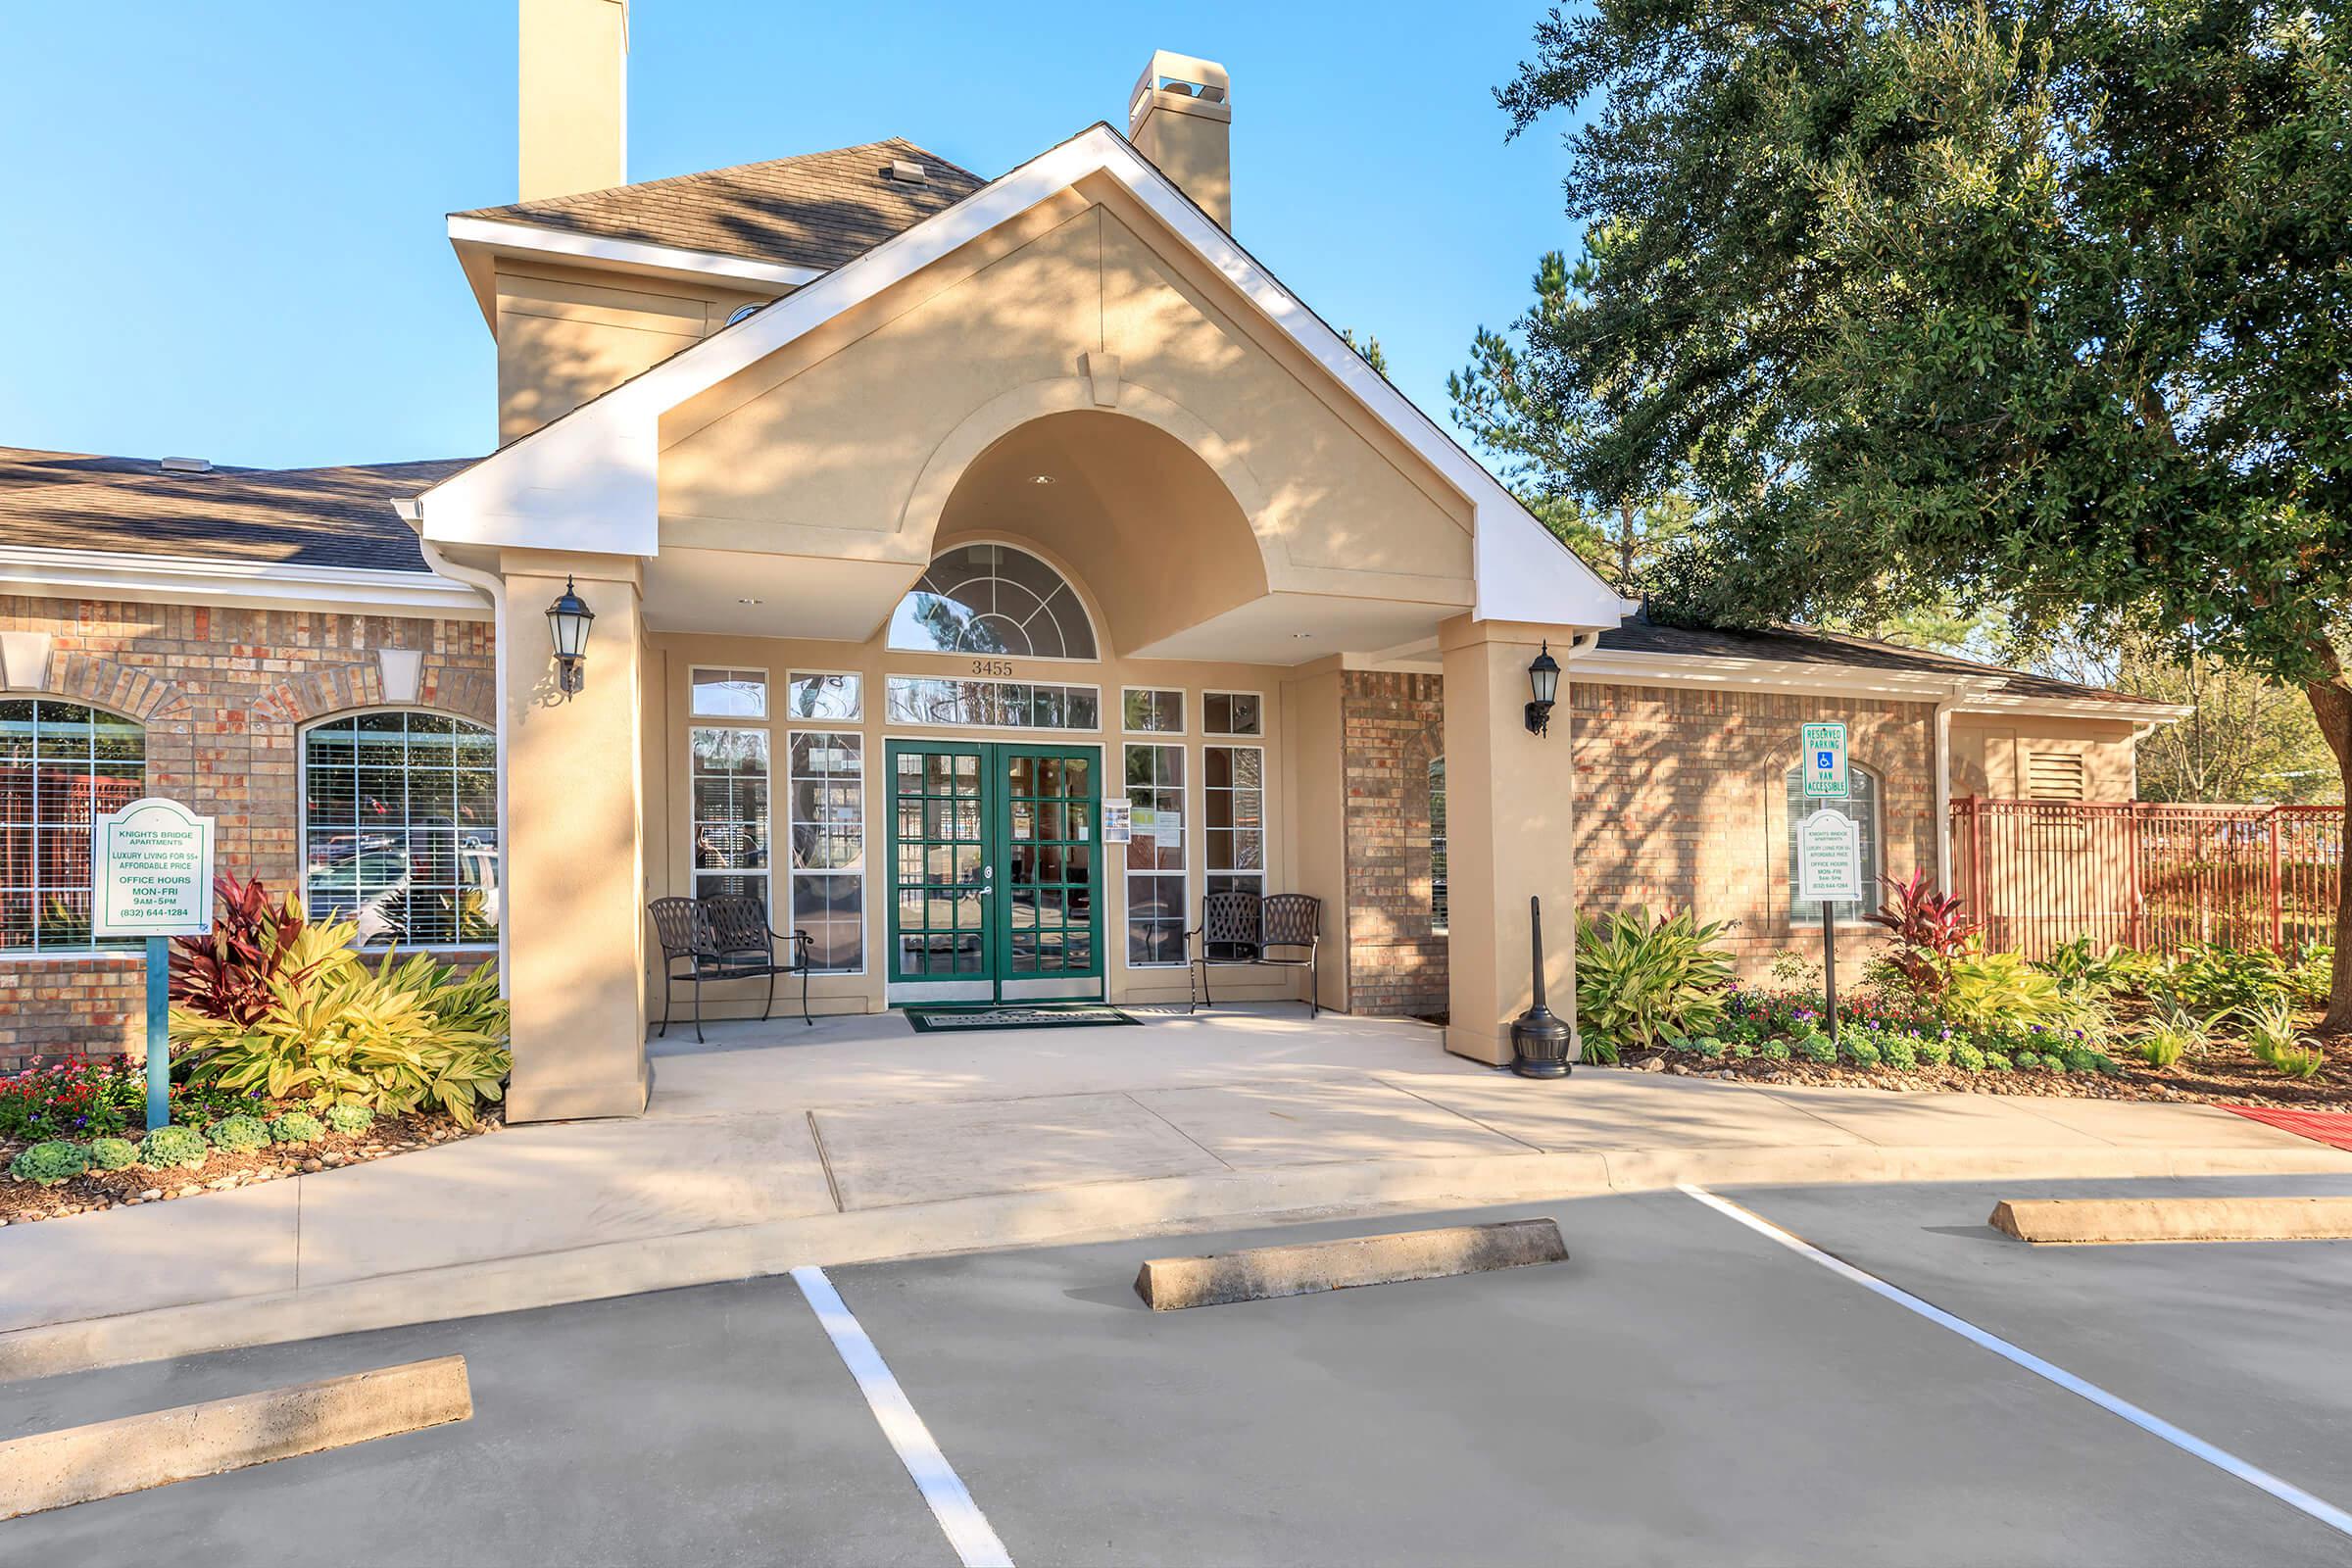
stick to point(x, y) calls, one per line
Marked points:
point(1237, 928)
point(725, 937)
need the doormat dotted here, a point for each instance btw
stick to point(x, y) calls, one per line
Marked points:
point(1079, 1015)
point(2331, 1127)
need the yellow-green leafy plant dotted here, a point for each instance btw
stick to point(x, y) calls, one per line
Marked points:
point(1989, 992)
point(2173, 1033)
point(1639, 978)
point(2277, 1042)
point(409, 1033)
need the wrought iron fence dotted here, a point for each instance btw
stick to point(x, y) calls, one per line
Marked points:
point(2040, 873)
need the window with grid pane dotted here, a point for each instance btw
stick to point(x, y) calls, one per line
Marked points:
point(400, 827)
point(61, 764)
point(1155, 922)
point(1234, 811)
point(828, 847)
point(1863, 807)
point(727, 779)
point(940, 874)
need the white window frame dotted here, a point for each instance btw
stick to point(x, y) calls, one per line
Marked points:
point(96, 948)
point(1227, 734)
point(1094, 630)
point(1183, 713)
point(768, 697)
point(695, 873)
point(865, 838)
point(996, 732)
point(856, 718)
point(1266, 829)
point(1191, 763)
point(302, 815)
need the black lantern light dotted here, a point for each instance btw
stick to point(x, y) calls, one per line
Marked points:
point(568, 622)
point(1543, 680)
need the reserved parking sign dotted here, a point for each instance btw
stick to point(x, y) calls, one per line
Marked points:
point(1825, 762)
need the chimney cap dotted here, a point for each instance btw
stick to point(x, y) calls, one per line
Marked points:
point(1180, 76)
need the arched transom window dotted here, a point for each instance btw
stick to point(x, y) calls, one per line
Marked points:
point(993, 598)
point(1863, 807)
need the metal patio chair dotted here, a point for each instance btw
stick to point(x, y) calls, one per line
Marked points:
point(725, 937)
point(1237, 928)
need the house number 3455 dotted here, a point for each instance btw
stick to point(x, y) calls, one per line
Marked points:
point(992, 667)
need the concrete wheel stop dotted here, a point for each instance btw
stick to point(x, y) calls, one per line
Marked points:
point(1258, 1273)
point(46, 1470)
point(2118, 1221)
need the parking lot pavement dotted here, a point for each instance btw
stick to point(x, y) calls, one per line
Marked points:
point(1682, 1391)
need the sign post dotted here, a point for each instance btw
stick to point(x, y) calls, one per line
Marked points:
point(1836, 859)
point(152, 875)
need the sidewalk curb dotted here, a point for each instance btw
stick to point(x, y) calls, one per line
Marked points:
point(1062, 1216)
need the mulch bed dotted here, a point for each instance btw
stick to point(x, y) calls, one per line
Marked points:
point(2222, 1073)
point(96, 1192)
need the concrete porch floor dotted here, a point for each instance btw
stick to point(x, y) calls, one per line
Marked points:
point(779, 1143)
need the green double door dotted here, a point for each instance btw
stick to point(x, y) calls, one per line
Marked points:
point(996, 862)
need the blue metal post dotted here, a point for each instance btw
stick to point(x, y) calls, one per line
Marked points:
point(159, 1032)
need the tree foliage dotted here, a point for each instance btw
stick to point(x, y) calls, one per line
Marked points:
point(2044, 308)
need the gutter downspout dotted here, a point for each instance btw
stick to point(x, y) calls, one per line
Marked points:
point(1942, 752)
point(491, 586)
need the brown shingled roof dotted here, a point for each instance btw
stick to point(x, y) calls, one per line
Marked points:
point(339, 517)
point(1798, 646)
point(817, 210)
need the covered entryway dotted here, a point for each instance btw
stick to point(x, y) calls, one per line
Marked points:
point(995, 872)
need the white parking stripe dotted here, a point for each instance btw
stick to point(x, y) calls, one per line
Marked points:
point(2189, 1442)
point(951, 1503)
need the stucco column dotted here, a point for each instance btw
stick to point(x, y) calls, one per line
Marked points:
point(575, 904)
point(1508, 797)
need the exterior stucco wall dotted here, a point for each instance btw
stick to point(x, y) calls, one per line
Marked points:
point(567, 334)
point(1683, 803)
point(223, 694)
point(1993, 756)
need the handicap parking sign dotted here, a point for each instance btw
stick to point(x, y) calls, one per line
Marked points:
point(1824, 751)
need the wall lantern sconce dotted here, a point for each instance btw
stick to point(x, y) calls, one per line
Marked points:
point(1543, 680)
point(568, 622)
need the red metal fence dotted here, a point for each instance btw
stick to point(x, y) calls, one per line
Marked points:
point(2040, 873)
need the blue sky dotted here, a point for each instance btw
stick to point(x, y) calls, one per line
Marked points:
point(223, 234)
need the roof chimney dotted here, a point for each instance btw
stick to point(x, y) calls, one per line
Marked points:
point(574, 96)
point(1180, 115)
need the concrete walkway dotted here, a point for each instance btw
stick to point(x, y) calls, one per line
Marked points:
point(858, 1139)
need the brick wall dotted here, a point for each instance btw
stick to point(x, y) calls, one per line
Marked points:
point(1392, 725)
point(1682, 802)
point(223, 694)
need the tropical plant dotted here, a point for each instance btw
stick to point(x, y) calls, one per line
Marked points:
point(2215, 979)
point(50, 1163)
point(2080, 971)
point(1987, 992)
point(1931, 933)
point(1637, 978)
point(225, 973)
point(408, 1033)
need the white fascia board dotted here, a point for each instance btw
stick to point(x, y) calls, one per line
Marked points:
point(2011, 703)
point(241, 584)
point(506, 236)
point(1614, 666)
point(588, 480)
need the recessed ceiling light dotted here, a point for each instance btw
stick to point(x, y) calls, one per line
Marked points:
point(1041, 478)
point(748, 601)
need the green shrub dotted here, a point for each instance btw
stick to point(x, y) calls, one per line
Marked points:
point(2298, 1062)
point(1776, 1051)
point(1934, 1051)
point(1863, 1049)
point(173, 1147)
point(2173, 1033)
point(2270, 1028)
point(2216, 979)
point(239, 1134)
point(405, 1034)
point(47, 1164)
point(1968, 1055)
point(355, 1119)
point(1818, 1047)
point(1743, 1051)
point(1708, 1047)
point(1994, 1061)
point(2026, 1061)
point(1598, 1049)
point(296, 1127)
point(113, 1154)
point(1636, 978)
point(1900, 1052)
point(2082, 1059)
point(1990, 991)
point(2313, 973)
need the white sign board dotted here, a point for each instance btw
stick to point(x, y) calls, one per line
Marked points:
point(152, 868)
point(1825, 762)
point(1829, 859)
point(1119, 819)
